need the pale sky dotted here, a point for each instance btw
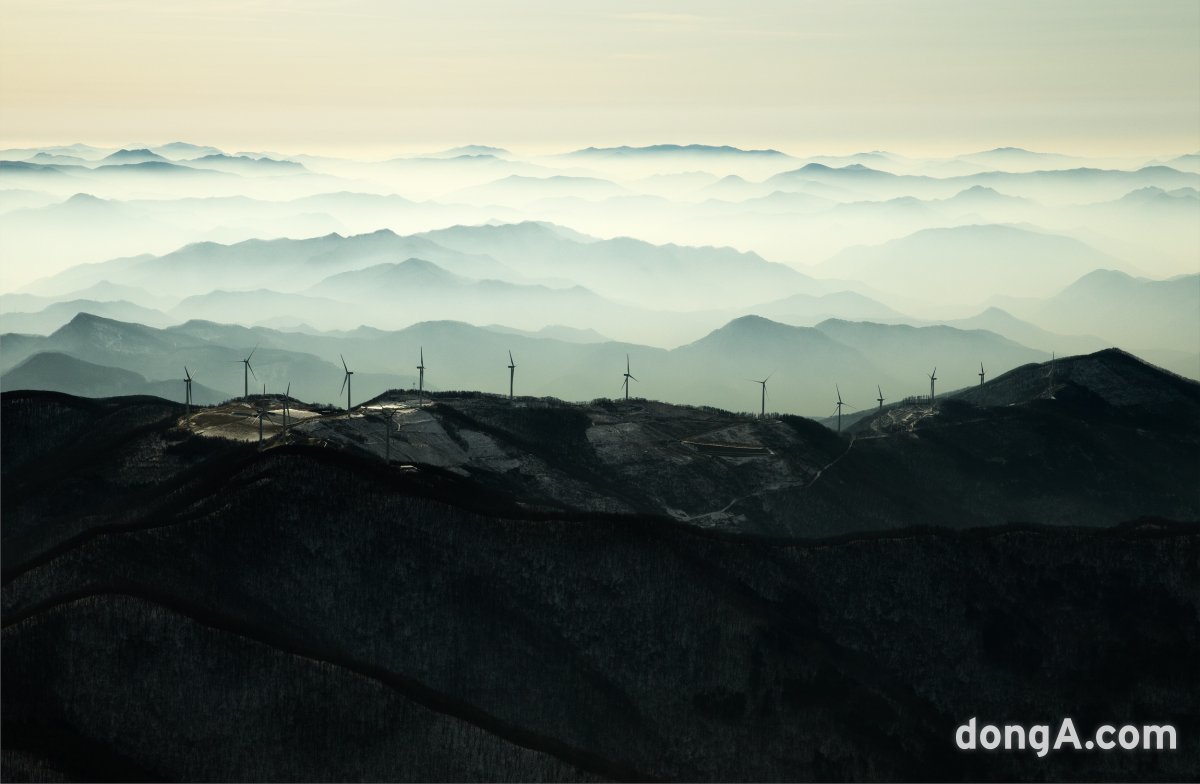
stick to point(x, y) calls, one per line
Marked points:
point(361, 77)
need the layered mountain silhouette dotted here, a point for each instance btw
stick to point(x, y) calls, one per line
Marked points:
point(57, 314)
point(973, 261)
point(1111, 303)
point(807, 362)
point(64, 373)
point(246, 164)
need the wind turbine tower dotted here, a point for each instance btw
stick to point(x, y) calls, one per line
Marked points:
point(512, 370)
point(287, 397)
point(187, 388)
point(421, 378)
point(839, 406)
point(346, 383)
point(247, 371)
point(762, 406)
point(628, 376)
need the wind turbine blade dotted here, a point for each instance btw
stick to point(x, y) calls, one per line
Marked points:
point(634, 378)
point(252, 352)
point(422, 355)
point(626, 363)
point(251, 369)
point(510, 359)
point(343, 363)
point(768, 378)
point(345, 378)
point(289, 390)
point(186, 373)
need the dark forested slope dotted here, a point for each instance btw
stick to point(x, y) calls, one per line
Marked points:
point(308, 613)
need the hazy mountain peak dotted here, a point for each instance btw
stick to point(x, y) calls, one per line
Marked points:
point(854, 169)
point(473, 150)
point(84, 198)
point(753, 325)
point(243, 162)
point(187, 148)
point(979, 190)
point(411, 274)
point(85, 320)
point(377, 233)
point(1103, 277)
point(133, 156)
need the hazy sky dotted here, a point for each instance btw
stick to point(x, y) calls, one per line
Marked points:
point(370, 76)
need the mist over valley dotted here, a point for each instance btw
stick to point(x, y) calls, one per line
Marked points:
point(676, 462)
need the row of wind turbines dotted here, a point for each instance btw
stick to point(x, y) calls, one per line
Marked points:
point(763, 401)
point(627, 376)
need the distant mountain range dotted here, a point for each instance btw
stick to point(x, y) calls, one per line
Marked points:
point(674, 149)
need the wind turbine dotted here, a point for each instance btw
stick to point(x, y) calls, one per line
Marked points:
point(762, 411)
point(839, 406)
point(346, 383)
point(421, 378)
point(247, 371)
point(980, 374)
point(880, 398)
point(287, 396)
point(262, 414)
point(932, 379)
point(187, 398)
point(628, 376)
point(512, 370)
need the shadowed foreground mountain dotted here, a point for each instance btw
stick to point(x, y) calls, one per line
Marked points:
point(186, 607)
